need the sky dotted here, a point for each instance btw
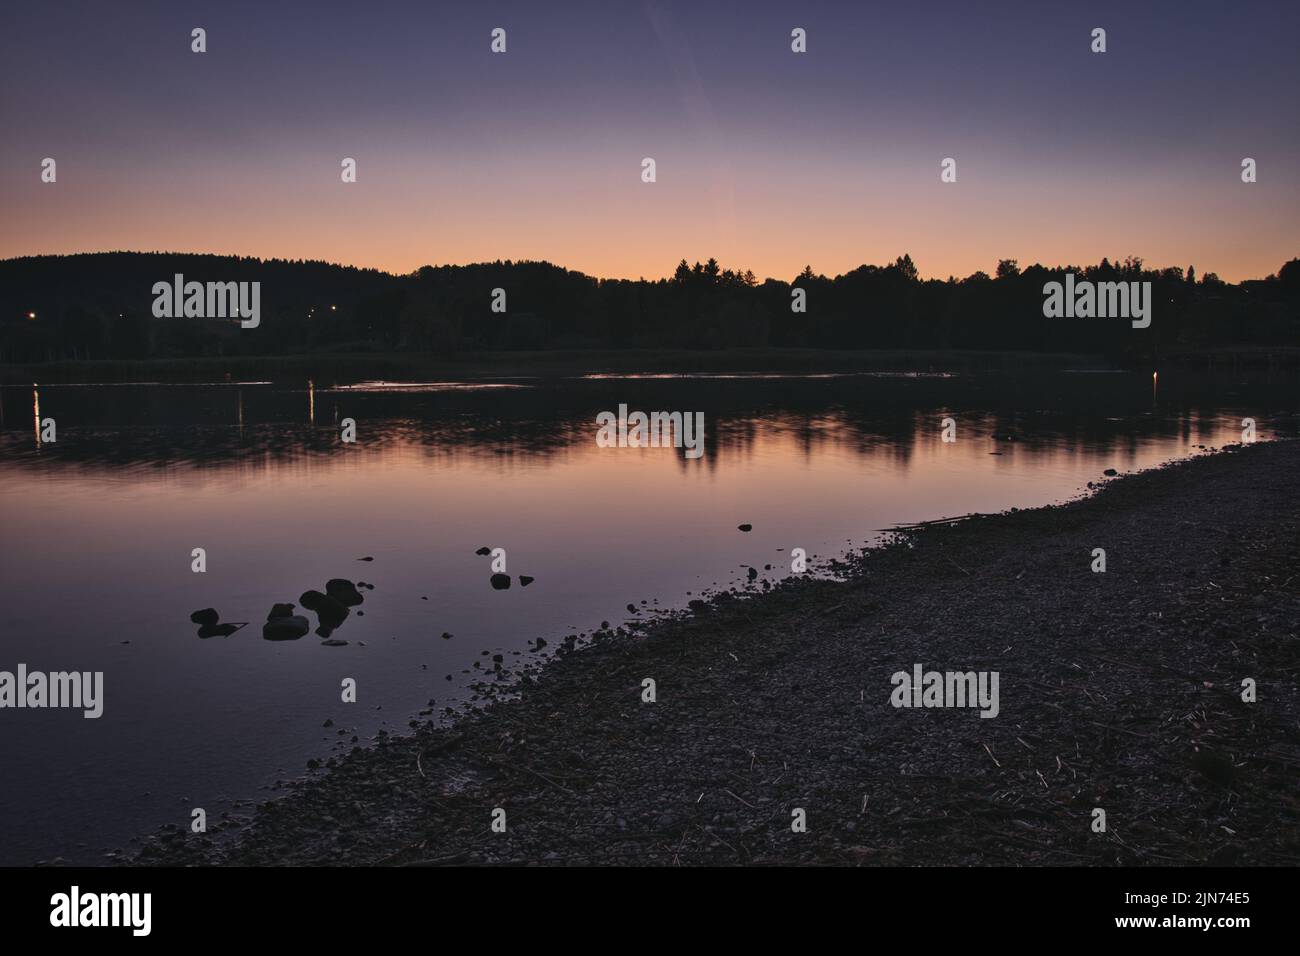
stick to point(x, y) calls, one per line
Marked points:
point(765, 159)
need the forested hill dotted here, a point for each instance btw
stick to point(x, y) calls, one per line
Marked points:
point(100, 306)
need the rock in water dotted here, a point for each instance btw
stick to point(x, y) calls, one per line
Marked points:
point(745, 527)
point(286, 628)
point(327, 608)
point(343, 591)
point(280, 610)
point(218, 630)
point(501, 582)
point(525, 580)
point(206, 617)
point(483, 551)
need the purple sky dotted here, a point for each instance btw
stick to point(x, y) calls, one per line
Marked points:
point(765, 158)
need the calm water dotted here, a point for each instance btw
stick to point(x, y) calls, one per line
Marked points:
point(99, 528)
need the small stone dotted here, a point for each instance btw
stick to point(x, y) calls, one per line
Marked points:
point(343, 591)
point(280, 610)
point(286, 628)
point(219, 630)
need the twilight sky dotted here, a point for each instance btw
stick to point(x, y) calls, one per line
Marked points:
point(766, 159)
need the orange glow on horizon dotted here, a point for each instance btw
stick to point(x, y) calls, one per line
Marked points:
point(609, 225)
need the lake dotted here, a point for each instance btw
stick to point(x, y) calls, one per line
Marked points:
point(100, 527)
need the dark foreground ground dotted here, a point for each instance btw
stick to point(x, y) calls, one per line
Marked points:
point(1119, 690)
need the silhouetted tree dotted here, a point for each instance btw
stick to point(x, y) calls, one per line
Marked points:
point(99, 306)
point(906, 267)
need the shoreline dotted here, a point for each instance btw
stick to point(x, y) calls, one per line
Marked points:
point(1118, 690)
point(543, 364)
point(327, 367)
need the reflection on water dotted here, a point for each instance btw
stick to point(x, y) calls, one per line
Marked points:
point(758, 376)
point(424, 386)
point(101, 527)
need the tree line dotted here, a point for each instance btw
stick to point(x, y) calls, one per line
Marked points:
point(99, 306)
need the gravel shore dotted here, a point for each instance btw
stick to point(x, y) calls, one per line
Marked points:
point(1119, 690)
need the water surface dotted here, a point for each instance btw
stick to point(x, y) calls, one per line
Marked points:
point(100, 525)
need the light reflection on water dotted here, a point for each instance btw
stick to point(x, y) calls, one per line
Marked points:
point(100, 526)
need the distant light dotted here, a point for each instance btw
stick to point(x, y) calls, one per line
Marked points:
point(31, 315)
point(333, 308)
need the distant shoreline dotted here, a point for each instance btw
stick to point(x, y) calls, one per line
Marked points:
point(342, 368)
point(1119, 690)
point(330, 368)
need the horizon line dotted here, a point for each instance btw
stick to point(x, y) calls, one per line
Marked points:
point(759, 280)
